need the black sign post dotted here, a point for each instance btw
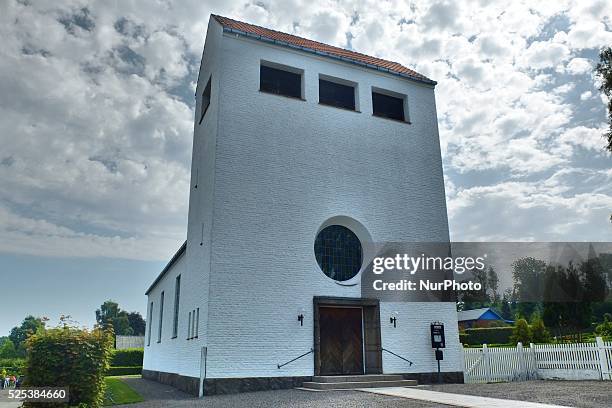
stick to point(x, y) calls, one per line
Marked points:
point(438, 342)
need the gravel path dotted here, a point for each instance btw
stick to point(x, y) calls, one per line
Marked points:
point(583, 394)
point(159, 395)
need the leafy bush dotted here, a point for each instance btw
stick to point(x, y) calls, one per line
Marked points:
point(127, 357)
point(12, 362)
point(539, 333)
point(70, 357)
point(604, 329)
point(124, 370)
point(521, 332)
point(463, 338)
point(16, 371)
point(489, 335)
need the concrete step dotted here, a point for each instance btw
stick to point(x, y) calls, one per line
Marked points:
point(357, 384)
point(356, 378)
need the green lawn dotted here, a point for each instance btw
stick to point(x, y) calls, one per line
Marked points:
point(117, 392)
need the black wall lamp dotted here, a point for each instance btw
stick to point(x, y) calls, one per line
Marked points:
point(393, 319)
point(301, 316)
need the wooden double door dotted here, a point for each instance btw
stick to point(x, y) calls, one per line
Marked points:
point(341, 340)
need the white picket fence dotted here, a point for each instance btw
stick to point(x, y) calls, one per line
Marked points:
point(580, 361)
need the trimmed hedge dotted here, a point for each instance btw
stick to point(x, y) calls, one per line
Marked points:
point(70, 357)
point(12, 362)
point(127, 357)
point(124, 370)
point(488, 335)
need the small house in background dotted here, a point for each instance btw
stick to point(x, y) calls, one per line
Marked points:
point(483, 317)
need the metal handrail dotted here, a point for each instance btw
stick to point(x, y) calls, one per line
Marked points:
point(297, 358)
point(397, 355)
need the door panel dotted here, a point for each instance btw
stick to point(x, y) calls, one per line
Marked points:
point(341, 341)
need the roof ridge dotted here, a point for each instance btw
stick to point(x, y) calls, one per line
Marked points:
point(318, 46)
point(304, 38)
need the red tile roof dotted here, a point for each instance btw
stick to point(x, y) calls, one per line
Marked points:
point(319, 48)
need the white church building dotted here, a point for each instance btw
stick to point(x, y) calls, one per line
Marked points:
point(304, 154)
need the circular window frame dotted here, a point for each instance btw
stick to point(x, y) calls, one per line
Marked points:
point(362, 234)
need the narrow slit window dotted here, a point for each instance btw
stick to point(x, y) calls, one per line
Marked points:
point(388, 106)
point(197, 323)
point(150, 323)
point(177, 296)
point(205, 100)
point(161, 317)
point(335, 94)
point(280, 82)
point(193, 324)
point(189, 327)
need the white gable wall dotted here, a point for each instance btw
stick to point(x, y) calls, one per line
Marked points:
point(283, 167)
point(270, 171)
point(180, 355)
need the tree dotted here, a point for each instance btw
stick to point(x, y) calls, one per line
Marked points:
point(604, 72)
point(493, 284)
point(137, 323)
point(528, 274)
point(520, 333)
point(471, 299)
point(30, 325)
point(7, 348)
point(124, 323)
point(539, 333)
point(110, 314)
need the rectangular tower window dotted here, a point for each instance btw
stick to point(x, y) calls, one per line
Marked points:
point(336, 94)
point(161, 317)
point(149, 323)
point(205, 100)
point(177, 295)
point(280, 81)
point(388, 106)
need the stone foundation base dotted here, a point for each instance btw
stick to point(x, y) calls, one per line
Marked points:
point(216, 386)
point(452, 377)
point(190, 385)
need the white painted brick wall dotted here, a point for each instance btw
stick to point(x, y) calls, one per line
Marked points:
point(283, 167)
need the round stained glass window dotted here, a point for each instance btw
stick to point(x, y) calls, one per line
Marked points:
point(338, 252)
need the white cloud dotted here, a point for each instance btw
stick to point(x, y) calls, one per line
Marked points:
point(544, 54)
point(579, 66)
point(588, 138)
point(553, 209)
point(96, 141)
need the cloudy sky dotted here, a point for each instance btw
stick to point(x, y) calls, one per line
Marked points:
point(96, 112)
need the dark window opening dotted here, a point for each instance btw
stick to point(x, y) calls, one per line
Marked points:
point(177, 296)
point(338, 95)
point(205, 100)
point(150, 323)
point(161, 317)
point(197, 323)
point(280, 82)
point(388, 106)
point(189, 327)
